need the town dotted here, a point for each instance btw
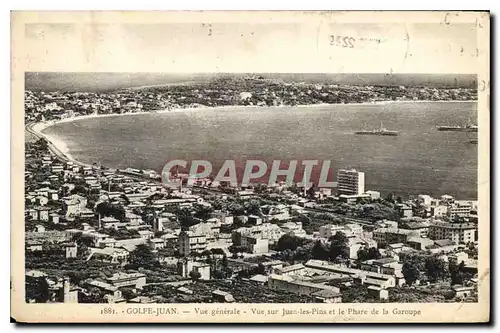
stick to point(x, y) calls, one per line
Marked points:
point(225, 91)
point(100, 235)
point(93, 235)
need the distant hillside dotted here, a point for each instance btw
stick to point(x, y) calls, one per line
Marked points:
point(96, 82)
point(426, 80)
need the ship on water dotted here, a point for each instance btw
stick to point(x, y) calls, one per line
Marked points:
point(381, 131)
point(473, 141)
point(458, 128)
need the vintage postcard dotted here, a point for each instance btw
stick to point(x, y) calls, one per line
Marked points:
point(306, 167)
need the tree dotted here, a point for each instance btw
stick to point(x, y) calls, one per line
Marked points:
point(38, 290)
point(390, 198)
point(195, 254)
point(107, 209)
point(436, 268)
point(186, 219)
point(376, 211)
point(194, 275)
point(368, 254)
point(287, 255)
point(158, 234)
point(302, 253)
point(125, 199)
point(294, 189)
point(128, 293)
point(203, 211)
point(76, 277)
point(311, 192)
point(287, 242)
point(338, 245)
point(235, 208)
point(218, 251)
point(55, 205)
point(306, 220)
point(260, 188)
point(83, 240)
point(458, 219)
point(206, 253)
point(94, 296)
point(143, 257)
point(224, 262)
point(471, 250)
point(219, 274)
point(235, 249)
point(224, 270)
point(79, 189)
point(319, 251)
point(356, 294)
point(253, 207)
point(457, 272)
point(410, 272)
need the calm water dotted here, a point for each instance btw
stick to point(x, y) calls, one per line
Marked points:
point(419, 160)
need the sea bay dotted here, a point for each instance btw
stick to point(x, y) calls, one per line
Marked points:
point(419, 160)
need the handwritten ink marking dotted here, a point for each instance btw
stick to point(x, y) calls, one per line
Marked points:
point(352, 42)
point(342, 41)
point(483, 85)
point(209, 27)
point(373, 40)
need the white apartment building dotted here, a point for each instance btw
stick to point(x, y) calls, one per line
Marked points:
point(294, 229)
point(327, 231)
point(74, 204)
point(353, 229)
point(210, 228)
point(350, 182)
point(457, 232)
point(135, 280)
point(266, 231)
point(185, 267)
point(461, 209)
point(440, 211)
point(425, 200)
point(254, 244)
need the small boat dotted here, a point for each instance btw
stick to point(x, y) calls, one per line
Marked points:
point(473, 141)
point(458, 128)
point(382, 131)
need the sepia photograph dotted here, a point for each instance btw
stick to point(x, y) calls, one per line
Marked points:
point(265, 166)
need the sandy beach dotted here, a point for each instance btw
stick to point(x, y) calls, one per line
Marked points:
point(57, 146)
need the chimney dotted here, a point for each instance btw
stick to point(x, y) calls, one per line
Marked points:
point(159, 224)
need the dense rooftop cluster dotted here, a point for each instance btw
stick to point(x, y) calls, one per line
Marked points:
point(95, 235)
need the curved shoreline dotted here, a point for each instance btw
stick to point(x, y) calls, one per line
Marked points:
point(60, 148)
point(57, 147)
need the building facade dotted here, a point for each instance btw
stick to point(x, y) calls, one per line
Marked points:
point(459, 233)
point(190, 241)
point(350, 182)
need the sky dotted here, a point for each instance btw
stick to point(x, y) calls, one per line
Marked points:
point(266, 45)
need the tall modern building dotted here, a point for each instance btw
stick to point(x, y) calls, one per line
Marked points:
point(350, 182)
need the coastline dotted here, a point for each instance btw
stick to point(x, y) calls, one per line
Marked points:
point(56, 146)
point(60, 148)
